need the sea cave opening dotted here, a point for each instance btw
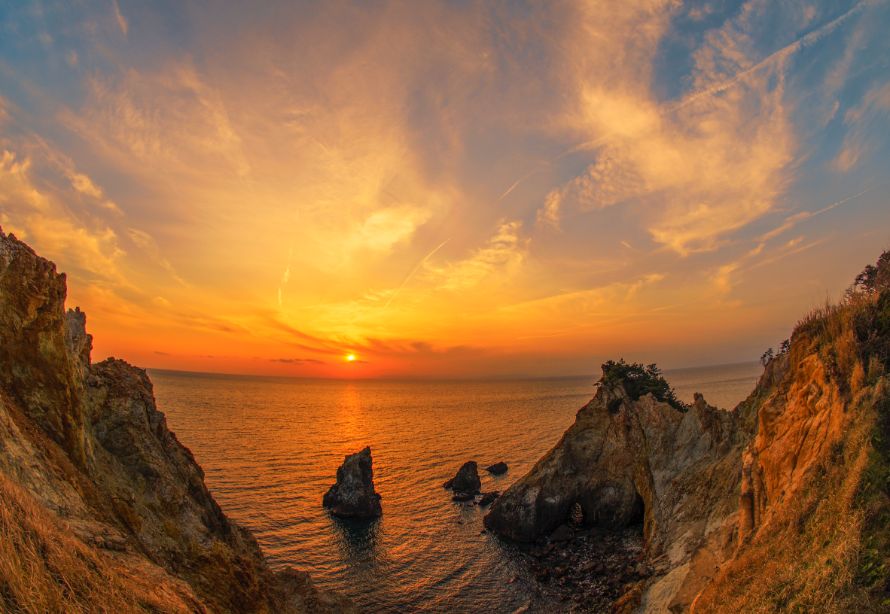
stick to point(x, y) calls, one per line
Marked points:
point(637, 513)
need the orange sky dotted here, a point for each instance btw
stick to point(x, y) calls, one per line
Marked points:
point(446, 189)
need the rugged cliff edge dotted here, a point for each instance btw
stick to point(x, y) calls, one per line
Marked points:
point(102, 507)
point(782, 504)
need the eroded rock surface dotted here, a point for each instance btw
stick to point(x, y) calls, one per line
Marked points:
point(627, 462)
point(353, 495)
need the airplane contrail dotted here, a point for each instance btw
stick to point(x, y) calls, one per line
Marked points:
point(414, 270)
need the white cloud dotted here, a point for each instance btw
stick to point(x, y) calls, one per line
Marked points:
point(699, 170)
point(119, 17)
point(385, 228)
point(502, 255)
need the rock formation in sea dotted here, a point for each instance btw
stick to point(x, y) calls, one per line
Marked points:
point(499, 468)
point(466, 481)
point(103, 507)
point(353, 495)
point(781, 504)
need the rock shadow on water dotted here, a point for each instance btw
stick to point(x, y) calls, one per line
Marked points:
point(358, 539)
point(364, 562)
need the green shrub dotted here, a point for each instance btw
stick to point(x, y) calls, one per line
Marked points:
point(639, 380)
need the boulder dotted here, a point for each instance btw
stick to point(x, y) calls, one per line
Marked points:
point(467, 479)
point(497, 469)
point(353, 495)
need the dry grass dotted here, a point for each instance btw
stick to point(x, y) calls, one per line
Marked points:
point(807, 558)
point(43, 568)
point(826, 550)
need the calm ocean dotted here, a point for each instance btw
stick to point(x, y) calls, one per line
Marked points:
point(271, 446)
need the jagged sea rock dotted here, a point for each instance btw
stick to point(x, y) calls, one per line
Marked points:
point(96, 473)
point(499, 468)
point(353, 495)
point(466, 480)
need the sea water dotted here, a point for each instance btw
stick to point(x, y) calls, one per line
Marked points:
point(270, 448)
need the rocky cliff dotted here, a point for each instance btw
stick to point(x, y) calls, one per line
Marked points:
point(782, 504)
point(103, 508)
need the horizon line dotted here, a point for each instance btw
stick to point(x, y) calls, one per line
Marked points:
point(508, 377)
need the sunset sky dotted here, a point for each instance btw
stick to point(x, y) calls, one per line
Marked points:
point(445, 188)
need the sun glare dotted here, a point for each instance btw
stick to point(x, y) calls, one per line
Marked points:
point(350, 358)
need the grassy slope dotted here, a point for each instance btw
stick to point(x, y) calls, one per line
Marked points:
point(828, 548)
point(44, 568)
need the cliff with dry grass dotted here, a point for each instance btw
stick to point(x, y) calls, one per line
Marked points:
point(103, 510)
point(814, 506)
point(779, 505)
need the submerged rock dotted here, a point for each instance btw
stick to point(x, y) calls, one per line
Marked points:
point(467, 479)
point(353, 495)
point(497, 469)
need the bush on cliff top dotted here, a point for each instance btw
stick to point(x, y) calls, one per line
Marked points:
point(640, 380)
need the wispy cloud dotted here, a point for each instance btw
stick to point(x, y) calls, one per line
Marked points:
point(119, 17)
point(503, 253)
point(297, 361)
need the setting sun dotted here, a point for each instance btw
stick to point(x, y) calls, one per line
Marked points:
point(350, 358)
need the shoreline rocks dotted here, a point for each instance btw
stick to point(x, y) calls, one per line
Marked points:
point(587, 570)
point(353, 495)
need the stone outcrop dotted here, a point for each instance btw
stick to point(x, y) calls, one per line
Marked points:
point(636, 462)
point(625, 465)
point(353, 495)
point(466, 481)
point(84, 448)
point(499, 468)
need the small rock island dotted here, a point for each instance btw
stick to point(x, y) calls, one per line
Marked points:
point(466, 483)
point(499, 468)
point(353, 495)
